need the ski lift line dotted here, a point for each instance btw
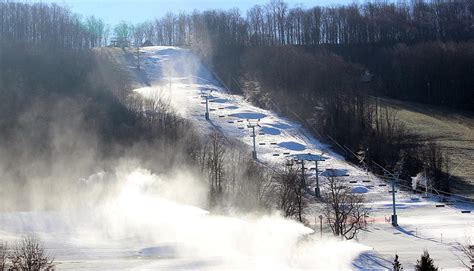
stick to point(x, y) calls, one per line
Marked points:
point(304, 121)
point(386, 171)
point(344, 149)
point(316, 131)
point(274, 104)
point(416, 189)
point(461, 199)
point(454, 170)
point(218, 128)
point(201, 78)
point(339, 145)
point(269, 167)
point(237, 83)
point(220, 81)
point(438, 192)
point(361, 161)
point(271, 100)
point(332, 139)
point(447, 205)
point(213, 88)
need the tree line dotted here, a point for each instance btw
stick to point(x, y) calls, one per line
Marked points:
point(275, 23)
point(50, 25)
point(325, 93)
point(418, 51)
point(73, 110)
point(38, 85)
point(312, 61)
point(433, 72)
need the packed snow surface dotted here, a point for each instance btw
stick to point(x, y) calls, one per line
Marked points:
point(422, 225)
point(151, 222)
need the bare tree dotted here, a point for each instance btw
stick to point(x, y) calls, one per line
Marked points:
point(467, 249)
point(3, 255)
point(255, 21)
point(215, 164)
point(290, 196)
point(122, 32)
point(96, 28)
point(256, 186)
point(345, 211)
point(30, 255)
point(39, 24)
point(139, 32)
point(106, 36)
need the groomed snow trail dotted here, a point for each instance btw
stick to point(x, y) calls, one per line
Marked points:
point(133, 219)
point(176, 75)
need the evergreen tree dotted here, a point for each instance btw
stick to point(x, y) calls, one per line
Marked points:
point(397, 266)
point(425, 263)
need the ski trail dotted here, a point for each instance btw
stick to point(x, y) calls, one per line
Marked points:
point(278, 138)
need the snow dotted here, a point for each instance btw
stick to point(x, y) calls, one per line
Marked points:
point(335, 172)
point(279, 138)
point(248, 115)
point(270, 131)
point(146, 228)
point(293, 146)
point(360, 190)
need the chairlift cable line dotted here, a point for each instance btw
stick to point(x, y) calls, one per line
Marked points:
point(337, 143)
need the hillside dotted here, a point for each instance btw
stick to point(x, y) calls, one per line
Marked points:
point(142, 205)
point(282, 137)
point(452, 129)
point(175, 75)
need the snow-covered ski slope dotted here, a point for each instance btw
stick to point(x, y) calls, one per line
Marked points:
point(176, 75)
point(129, 218)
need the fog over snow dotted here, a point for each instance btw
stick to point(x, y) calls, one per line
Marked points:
point(127, 216)
point(152, 221)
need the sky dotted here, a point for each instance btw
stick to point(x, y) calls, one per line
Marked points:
point(135, 11)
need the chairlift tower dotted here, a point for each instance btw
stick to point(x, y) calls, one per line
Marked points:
point(206, 94)
point(252, 124)
point(393, 178)
point(301, 162)
point(300, 158)
point(394, 215)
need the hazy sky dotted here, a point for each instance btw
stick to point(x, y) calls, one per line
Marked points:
point(112, 11)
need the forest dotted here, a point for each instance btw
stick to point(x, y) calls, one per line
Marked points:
point(329, 64)
point(417, 51)
point(326, 63)
point(81, 143)
point(68, 110)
